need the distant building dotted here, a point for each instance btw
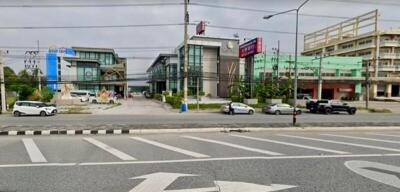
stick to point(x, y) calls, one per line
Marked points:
point(96, 69)
point(214, 61)
point(360, 36)
point(341, 76)
point(164, 73)
point(58, 70)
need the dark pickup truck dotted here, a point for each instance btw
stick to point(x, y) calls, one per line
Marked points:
point(328, 107)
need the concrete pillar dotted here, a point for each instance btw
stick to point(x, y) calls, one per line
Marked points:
point(388, 91)
point(374, 90)
point(320, 89)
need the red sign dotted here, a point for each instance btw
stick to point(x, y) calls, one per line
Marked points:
point(201, 28)
point(251, 47)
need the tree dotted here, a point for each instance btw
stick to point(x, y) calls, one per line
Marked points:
point(10, 77)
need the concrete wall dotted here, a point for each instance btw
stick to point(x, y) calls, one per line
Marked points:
point(210, 67)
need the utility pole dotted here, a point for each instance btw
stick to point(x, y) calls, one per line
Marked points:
point(2, 86)
point(185, 60)
point(368, 81)
point(265, 65)
point(38, 69)
point(197, 93)
point(276, 66)
point(320, 78)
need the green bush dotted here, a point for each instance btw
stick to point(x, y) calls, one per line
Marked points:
point(47, 95)
point(174, 101)
point(10, 100)
point(201, 93)
point(157, 96)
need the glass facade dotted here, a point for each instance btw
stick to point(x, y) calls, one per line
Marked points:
point(103, 58)
point(195, 67)
point(88, 73)
point(173, 77)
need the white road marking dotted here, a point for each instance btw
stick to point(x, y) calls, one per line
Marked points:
point(121, 155)
point(201, 160)
point(38, 165)
point(33, 151)
point(383, 173)
point(292, 144)
point(172, 148)
point(240, 158)
point(342, 143)
point(381, 134)
point(157, 182)
point(233, 145)
point(362, 138)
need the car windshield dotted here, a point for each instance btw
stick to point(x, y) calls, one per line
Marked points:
point(199, 96)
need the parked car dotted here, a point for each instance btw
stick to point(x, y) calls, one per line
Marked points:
point(81, 94)
point(33, 108)
point(238, 108)
point(329, 106)
point(280, 108)
point(106, 100)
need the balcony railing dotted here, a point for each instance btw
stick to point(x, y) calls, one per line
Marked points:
point(390, 43)
point(390, 55)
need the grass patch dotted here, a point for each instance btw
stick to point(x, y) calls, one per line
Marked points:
point(75, 110)
point(204, 106)
point(379, 110)
point(112, 106)
point(258, 105)
point(374, 110)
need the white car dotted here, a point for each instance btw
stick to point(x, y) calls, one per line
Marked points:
point(108, 100)
point(238, 108)
point(81, 94)
point(33, 108)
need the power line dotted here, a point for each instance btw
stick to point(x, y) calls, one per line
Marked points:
point(253, 30)
point(94, 26)
point(365, 2)
point(87, 5)
point(301, 14)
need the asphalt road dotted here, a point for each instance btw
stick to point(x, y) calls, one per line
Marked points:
point(252, 162)
point(193, 120)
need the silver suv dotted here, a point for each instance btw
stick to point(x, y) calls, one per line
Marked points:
point(33, 108)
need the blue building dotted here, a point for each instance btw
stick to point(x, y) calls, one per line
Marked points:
point(56, 67)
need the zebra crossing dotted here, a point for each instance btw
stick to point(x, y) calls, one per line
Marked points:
point(198, 146)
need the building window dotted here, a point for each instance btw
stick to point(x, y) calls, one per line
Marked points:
point(347, 46)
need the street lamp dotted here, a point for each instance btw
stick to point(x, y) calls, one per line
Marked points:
point(295, 52)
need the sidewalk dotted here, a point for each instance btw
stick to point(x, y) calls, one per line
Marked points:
point(134, 106)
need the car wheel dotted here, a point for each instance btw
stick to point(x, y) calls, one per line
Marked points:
point(111, 102)
point(298, 112)
point(94, 101)
point(277, 112)
point(17, 114)
point(42, 113)
point(251, 112)
point(328, 111)
point(352, 111)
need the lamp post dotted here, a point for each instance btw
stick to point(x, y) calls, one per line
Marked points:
point(295, 52)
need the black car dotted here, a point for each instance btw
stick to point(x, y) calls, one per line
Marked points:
point(328, 107)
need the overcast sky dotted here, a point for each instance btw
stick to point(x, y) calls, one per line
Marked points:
point(169, 36)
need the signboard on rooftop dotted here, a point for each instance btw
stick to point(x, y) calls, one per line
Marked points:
point(201, 28)
point(250, 48)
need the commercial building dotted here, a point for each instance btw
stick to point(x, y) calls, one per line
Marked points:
point(163, 74)
point(213, 64)
point(57, 69)
point(90, 69)
point(360, 36)
point(341, 76)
